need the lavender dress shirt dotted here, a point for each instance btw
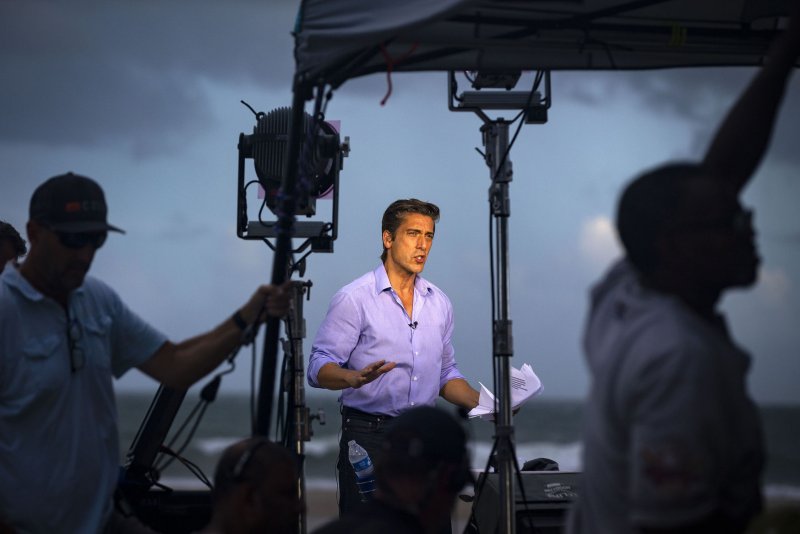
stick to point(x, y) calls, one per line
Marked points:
point(366, 322)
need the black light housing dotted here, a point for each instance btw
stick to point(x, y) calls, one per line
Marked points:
point(320, 159)
point(319, 163)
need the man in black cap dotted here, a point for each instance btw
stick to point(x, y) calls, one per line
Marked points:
point(421, 467)
point(63, 336)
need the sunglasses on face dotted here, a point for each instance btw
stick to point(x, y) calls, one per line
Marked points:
point(740, 222)
point(78, 240)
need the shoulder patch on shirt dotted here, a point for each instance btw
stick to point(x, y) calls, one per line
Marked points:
point(669, 467)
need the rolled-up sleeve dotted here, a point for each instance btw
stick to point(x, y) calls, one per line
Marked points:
point(449, 368)
point(336, 338)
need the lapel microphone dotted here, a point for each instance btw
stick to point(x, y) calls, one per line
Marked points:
point(413, 325)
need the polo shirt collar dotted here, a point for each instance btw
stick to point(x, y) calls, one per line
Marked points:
point(14, 279)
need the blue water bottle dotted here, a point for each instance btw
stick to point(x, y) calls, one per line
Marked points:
point(365, 472)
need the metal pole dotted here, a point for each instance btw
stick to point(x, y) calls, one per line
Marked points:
point(495, 139)
point(280, 263)
point(301, 420)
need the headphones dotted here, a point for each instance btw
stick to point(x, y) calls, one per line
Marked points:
point(238, 471)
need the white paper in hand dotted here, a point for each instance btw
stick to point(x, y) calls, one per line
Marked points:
point(524, 385)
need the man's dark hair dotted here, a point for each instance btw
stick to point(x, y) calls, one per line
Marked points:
point(10, 234)
point(648, 205)
point(397, 211)
point(249, 460)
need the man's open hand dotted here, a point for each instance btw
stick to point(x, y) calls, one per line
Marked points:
point(356, 379)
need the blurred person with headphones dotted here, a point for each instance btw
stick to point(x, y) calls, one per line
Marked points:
point(255, 490)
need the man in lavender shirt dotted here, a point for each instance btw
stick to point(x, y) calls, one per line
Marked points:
point(386, 340)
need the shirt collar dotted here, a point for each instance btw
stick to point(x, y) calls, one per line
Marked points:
point(422, 286)
point(14, 279)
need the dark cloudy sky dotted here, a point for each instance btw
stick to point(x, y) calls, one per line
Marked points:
point(144, 97)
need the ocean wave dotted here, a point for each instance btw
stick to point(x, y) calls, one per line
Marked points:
point(321, 447)
point(214, 446)
point(782, 492)
point(567, 455)
point(324, 449)
point(318, 447)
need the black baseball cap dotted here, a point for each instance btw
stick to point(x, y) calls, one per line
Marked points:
point(71, 203)
point(425, 436)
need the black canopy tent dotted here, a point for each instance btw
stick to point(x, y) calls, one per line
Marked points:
point(341, 39)
point(336, 40)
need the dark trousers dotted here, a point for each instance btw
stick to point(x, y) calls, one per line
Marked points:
point(367, 430)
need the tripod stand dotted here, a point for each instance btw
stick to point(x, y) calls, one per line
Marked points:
point(495, 137)
point(296, 430)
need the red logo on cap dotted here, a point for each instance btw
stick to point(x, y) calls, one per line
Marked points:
point(72, 207)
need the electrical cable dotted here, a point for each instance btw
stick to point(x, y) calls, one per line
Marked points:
point(191, 466)
point(209, 393)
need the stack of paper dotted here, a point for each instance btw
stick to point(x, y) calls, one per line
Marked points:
point(524, 385)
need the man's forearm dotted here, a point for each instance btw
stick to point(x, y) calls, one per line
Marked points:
point(459, 392)
point(180, 365)
point(333, 377)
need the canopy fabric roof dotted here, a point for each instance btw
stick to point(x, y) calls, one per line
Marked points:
point(340, 39)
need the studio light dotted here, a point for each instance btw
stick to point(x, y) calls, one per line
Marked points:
point(482, 79)
point(320, 160)
point(492, 90)
point(319, 163)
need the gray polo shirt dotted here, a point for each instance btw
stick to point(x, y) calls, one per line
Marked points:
point(59, 450)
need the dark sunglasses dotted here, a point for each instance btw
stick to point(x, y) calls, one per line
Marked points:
point(78, 240)
point(740, 222)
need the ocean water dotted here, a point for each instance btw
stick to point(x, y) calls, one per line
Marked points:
point(543, 428)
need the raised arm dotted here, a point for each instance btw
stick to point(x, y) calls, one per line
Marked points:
point(331, 376)
point(179, 365)
point(744, 135)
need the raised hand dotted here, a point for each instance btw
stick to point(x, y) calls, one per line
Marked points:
point(371, 372)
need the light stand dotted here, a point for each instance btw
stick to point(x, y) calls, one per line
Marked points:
point(495, 140)
point(495, 135)
point(283, 141)
point(302, 154)
point(297, 430)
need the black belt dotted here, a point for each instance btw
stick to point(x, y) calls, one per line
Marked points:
point(352, 412)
